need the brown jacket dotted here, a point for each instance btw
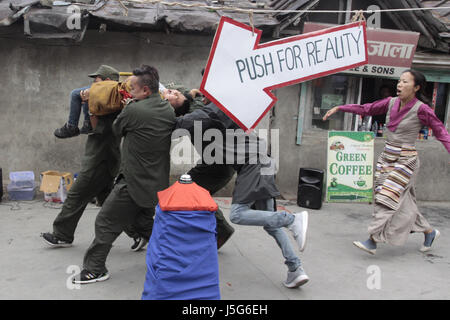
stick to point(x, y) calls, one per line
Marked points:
point(105, 97)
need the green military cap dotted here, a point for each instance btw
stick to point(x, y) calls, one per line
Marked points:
point(175, 86)
point(105, 71)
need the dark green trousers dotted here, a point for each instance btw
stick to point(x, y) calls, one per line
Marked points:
point(213, 178)
point(119, 211)
point(96, 181)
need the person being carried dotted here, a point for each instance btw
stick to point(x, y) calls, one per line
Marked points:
point(79, 102)
point(395, 213)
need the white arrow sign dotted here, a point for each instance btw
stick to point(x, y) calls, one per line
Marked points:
point(241, 73)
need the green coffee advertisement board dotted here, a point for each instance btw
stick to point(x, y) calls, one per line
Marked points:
point(350, 166)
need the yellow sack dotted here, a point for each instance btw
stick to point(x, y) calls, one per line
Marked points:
point(105, 97)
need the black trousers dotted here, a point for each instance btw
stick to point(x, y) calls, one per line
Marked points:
point(213, 178)
point(92, 182)
point(119, 211)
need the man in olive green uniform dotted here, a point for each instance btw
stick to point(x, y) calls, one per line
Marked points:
point(146, 125)
point(99, 166)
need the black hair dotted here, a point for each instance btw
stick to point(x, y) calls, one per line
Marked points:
point(419, 80)
point(184, 108)
point(147, 76)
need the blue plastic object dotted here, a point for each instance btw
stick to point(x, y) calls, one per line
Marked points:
point(18, 194)
point(22, 179)
point(22, 185)
point(182, 262)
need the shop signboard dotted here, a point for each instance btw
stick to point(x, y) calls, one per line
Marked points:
point(350, 166)
point(390, 51)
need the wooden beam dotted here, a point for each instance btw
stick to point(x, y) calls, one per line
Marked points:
point(394, 17)
point(286, 22)
point(419, 24)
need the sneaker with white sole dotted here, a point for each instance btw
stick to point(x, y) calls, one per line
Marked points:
point(55, 242)
point(368, 246)
point(296, 278)
point(139, 243)
point(90, 277)
point(299, 229)
point(429, 239)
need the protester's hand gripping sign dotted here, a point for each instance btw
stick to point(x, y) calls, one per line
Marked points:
point(241, 72)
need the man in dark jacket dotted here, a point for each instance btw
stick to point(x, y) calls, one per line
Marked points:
point(146, 125)
point(255, 189)
point(212, 177)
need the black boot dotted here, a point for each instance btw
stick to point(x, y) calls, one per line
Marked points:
point(67, 131)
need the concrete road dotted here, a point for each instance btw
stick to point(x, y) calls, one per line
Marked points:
point(251, 265)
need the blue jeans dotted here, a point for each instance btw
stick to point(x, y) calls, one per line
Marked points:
point(76, 104)
point(272, 221)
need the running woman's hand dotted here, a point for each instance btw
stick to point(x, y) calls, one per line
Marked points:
point(330, 113)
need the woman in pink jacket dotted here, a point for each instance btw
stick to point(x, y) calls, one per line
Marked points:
point(395, 209)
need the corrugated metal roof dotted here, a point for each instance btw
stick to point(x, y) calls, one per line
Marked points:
point(443, 15)
point(49, 21)
point(432, 24)
point(46, 19)
point(434, 61)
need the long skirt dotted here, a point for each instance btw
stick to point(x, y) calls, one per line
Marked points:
point(395, 210)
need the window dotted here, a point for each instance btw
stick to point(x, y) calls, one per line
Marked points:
point(329, 92)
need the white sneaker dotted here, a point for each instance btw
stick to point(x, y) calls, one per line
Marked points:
point(299, 228)
point(427, 244)
point(296, 278)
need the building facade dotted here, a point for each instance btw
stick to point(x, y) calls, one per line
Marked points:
point(305, 146)
point(42, 60)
